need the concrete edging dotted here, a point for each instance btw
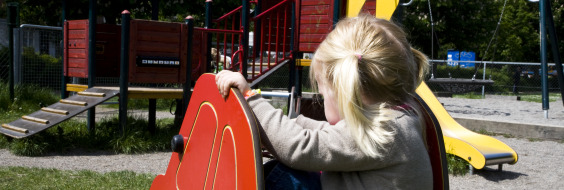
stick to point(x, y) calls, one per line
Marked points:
point(515, 129)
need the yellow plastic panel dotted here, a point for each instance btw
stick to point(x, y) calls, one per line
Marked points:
point(354, 6)
point(470, 146)
point(385, 8)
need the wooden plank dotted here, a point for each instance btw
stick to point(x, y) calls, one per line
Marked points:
point(77, 63)
point(36, 120)
point(157, 47)
point(315, 10)
point(77, 44)
point(146, 25)
point(77, 34)
point(56, 111)
point(78, 53)
point(312, 38)
point(158, 36)
point(314, 19)
point(315, 29)
point(316, 2)
point(14, 128)
point(78, 24)
point(308, 47)
point(72, 102)
point(76, 88)
point(95, 94)
point(78, 72)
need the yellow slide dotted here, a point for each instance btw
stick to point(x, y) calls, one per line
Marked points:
point(479, 150)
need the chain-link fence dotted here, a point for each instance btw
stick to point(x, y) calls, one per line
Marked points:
point(4, 51)
point(38, 61)
point(38, 56)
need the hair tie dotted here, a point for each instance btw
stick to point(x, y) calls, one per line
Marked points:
point(358, 55)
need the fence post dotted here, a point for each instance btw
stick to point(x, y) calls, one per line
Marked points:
point(64, 79)
point(91, 120)
point(555, 46)
point(188, 84)
point(208, 24)
point(13, 21)
point(245, 40)
point(544, 64)
point(124, 70)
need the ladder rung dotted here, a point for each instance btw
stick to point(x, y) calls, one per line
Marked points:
point(14, 128)
point(72, 102)
point(35, 119)
point(57, 111)
point(96, 94)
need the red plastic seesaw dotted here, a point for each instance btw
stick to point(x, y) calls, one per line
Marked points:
point(218, 146)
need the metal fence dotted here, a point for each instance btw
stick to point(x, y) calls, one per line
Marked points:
point(38, 61)
point(38, 56)
point(508, 77)
point(4, 51)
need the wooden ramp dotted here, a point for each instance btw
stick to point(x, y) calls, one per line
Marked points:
point(54, 114)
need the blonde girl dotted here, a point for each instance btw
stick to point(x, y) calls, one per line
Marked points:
point(367, 73)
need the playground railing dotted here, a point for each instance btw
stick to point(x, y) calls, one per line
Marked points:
point(269, 42)
point(272, 44)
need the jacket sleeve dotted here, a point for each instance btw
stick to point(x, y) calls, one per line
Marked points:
point(311, 145)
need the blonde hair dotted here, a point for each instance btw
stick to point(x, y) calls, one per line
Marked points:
point(371, 68)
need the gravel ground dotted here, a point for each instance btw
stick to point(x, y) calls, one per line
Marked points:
point(540, 165)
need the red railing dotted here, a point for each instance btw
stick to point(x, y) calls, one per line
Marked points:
point(272, 46)
point(271, 43)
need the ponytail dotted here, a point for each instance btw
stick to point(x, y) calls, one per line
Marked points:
point(422, 63)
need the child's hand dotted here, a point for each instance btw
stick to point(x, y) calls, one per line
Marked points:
point(227, 79)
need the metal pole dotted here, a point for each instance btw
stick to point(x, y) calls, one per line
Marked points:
point(91, 120)
point(64, 79)
point(245, 39)
point(257, 34)
point(188, 84)
point(544, 67)
point(336, 6)
point(154, 9)
point(12, 23)
point(124, 70)
point(484, 78)
point(208, 24)
point(292, 66)
point(555, 46)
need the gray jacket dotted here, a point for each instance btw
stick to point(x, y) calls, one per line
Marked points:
point(311, 145)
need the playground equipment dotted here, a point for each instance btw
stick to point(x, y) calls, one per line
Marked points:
point(283, 30)
point(218, 145)
point(479, 150)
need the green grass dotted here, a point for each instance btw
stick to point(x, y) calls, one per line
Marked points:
point(470, 95)
point(552, 97)
point(456, 165)
point(35, 178)
point(73, 134)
